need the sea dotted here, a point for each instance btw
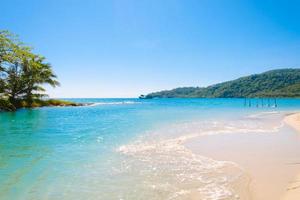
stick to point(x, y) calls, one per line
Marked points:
point(129, 149)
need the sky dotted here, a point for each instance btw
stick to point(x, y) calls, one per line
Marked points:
point(124, 48)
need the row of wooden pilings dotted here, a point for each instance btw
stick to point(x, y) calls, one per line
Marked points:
point(260, 102)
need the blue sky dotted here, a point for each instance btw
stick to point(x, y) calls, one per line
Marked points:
point(124, 48)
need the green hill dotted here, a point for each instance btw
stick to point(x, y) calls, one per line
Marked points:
point(274, 83)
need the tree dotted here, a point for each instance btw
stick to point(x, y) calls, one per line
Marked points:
point(22, 72)
point(36, 73)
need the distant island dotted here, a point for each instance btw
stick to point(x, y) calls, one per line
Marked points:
point(23, 75)
point(274, 83)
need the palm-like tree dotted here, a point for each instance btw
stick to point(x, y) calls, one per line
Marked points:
point(22, 73)
point(36, 72)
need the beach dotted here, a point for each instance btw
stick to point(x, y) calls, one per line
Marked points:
point(270, 160)
point(293, 120)
point(293, 189)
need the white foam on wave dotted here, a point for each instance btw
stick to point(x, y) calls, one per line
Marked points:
point(114, 103)
point(169, 161)
point(263, 114)
point(171, 170)
point(190, 174)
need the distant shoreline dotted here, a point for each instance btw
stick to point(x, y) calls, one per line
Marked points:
point(264, 97)
point(269, 84)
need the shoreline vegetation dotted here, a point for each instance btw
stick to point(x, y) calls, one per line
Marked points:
point(5, 104)
point(23, 75)
point(271, 84)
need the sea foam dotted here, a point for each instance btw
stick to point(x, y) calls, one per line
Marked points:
point(114, 103)
point(171, 171)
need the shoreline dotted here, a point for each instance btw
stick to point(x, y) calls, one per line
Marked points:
point(293, 189)
point(7, 106)
point(293, 120)
point(271, 160)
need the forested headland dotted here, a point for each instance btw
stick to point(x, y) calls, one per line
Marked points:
point(274, 83)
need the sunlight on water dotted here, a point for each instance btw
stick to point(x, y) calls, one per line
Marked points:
point(127, 149)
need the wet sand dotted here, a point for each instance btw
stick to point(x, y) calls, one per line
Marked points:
point(293, 189)
point(293, 120)
point(272, 160)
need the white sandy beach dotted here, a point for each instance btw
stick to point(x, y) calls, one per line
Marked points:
point(293, 189)
point(271, 160)
point(293, 120)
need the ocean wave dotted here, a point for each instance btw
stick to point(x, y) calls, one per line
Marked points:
point(114, 103)
point(166, 160)
point(263, 114)
point(169, 161)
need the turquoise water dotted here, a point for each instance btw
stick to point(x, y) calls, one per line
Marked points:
point(96, 152)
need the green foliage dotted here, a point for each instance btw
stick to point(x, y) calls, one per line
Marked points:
point(274, 83)
point(55, 102)
point(22, 73)
point(6, 105)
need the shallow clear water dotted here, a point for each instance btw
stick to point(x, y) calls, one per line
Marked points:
point(126, 148)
